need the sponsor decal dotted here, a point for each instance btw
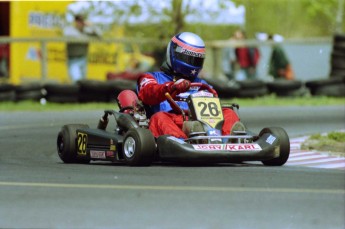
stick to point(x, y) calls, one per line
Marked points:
point(113, 147)
point(97, 154)
point(202, 94)
point(195, 54)
point(213, 132)
point(227, 147)
point(110, 154)
point(81, 143)
point(270, 139)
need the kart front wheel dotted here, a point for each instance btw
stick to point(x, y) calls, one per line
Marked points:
point(139, 147)
point(284, 146)
point(66, 144)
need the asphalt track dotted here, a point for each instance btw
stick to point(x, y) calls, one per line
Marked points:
point(38, 191)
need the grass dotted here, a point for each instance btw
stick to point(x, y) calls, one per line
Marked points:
point(36, 106)
point(330, 142)
point(273, 100)
point(243, 102)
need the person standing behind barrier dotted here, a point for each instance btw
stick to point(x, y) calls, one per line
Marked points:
point(228, 62)
point(77, 52)
point(279, 65)
point(246, 57)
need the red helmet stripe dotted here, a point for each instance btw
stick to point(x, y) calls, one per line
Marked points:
point(188, 47)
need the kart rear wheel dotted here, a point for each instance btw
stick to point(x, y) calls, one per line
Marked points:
point(66, 144)
point(139, 147)
point(284, 143)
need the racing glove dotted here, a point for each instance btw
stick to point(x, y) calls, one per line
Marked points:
point(178, 87)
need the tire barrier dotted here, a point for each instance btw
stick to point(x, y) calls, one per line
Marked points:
point(103, 91)
point(252, 89)
point(287, 88)
point(107, 91)
point(225, 89)
point(7, 92)
point(30, 91)
point(62, 93)
point(338, 56)
point(334, 87)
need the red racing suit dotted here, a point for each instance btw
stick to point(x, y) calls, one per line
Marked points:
point(151, 91)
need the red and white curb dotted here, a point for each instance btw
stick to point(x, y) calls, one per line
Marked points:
point(313, 159)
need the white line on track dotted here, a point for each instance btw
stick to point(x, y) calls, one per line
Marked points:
point(172, 188)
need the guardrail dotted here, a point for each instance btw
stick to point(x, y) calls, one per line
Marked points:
point(215, 46)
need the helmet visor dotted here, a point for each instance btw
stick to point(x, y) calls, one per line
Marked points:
point(191, 60)
point(189, 57)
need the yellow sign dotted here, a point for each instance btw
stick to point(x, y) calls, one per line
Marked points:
point(46, 19)
point(208, 110)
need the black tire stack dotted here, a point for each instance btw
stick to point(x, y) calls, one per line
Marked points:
point(7, 92)
point(333, 86)
point(30, 91)
point(103, 91)
point(338, 56)
point(225, 89)
point(252, 89)
point(86, 91)
point(62, 93)
point(287, 88)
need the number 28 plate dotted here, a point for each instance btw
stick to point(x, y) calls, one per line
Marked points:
point(207, 110)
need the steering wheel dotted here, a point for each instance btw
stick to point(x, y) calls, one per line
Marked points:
point(202, 86)
point(172, 98)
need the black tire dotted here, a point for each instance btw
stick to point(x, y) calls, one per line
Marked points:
point(7, 96)
point(335, 73)
point(339, 37)
point(28, 87)
point(284, 143)
point(338, 63)
point(66, 144)
point(252, 93)
point(63, 98)
point(62, 93)
point(251, 84)
point(93, 91)
point(6, 87)
point(323, 82)
point(139, 147)
point(337, 90)
point(62, 89)
point(35, 95)
point(280, 85)
point(225, 89)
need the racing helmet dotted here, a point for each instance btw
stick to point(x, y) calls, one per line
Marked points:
point(185, 55)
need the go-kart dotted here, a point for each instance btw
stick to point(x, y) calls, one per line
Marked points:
point(131, 141)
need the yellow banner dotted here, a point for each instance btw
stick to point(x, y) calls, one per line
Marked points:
point(46, 19)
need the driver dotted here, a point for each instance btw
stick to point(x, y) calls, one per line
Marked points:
point(184, 60)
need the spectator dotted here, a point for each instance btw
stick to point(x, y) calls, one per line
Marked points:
point(279, 65)
point(4, 57)
point(228, 62)
point(77, 52)
point(246, 57)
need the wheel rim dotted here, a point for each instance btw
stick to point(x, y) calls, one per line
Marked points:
point(129, 147)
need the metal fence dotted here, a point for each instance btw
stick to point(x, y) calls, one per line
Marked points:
point(309, 57)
